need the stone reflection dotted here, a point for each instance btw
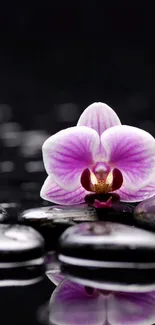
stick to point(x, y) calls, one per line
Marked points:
point(73, 304)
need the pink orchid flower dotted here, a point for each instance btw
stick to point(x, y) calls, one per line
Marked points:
point(74, 304)
point(99, 155)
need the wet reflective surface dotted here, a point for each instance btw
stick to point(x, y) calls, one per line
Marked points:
point(71, 304)
point(54, 298)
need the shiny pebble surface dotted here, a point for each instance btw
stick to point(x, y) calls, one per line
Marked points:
point(12, 209)
point(144, 214)
point(21, 255)
point(3, 214)
point(52, 221)
point(109, 256)
point(121, 213)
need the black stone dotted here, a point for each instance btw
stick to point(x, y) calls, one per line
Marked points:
point(3, 214)
point(52, 221)
point(119, 212)
point(21, 255)
point(119, 279)
point(111, 254)
point(12, 209)
point(144, 214)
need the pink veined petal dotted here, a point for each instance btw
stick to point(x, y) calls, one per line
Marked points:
point(99, 116)
point(132, 151)
point(140, 195)
point(67, 153)
point(136, 196)
point(71, 305)
point(131, 309)
point(50, 191)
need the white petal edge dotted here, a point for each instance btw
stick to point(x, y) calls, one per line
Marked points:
point(50, 191)
point(67, 153)
point(99, 116)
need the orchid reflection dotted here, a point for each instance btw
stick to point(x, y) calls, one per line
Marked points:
point(73, 304)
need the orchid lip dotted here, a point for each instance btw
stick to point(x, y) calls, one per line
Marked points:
point(100, 184)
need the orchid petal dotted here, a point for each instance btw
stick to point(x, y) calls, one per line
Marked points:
point(50, 191)
point(71, 305)
point(99, 117)
point(136, 196)
point(132, 151)
point(67, 153)
point(146, 192)
point(55, 276)
point(131, 309)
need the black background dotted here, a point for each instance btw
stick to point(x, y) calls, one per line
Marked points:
point(53, 53)
point(56, 58)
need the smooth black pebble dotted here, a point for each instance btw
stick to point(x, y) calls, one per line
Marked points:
point(109, 256)
point(12, 209)
point(52, 221)
point(3, 214)
point(144, 214)
point(21, 255)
